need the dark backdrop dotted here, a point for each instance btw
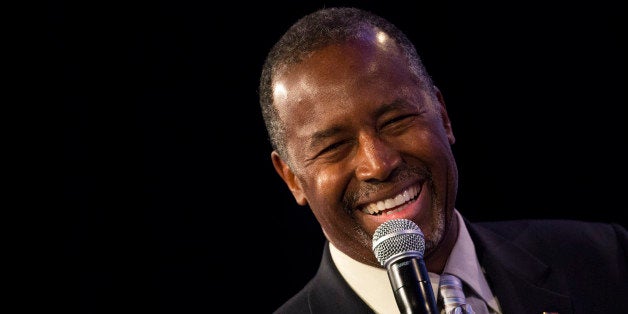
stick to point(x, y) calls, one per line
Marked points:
point(171, 202)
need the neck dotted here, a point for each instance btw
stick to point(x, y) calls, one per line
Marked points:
point(435, 260)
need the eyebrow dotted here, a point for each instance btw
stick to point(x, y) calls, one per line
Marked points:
point(395, 104)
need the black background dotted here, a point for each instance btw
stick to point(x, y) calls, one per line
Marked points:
point(171, 202)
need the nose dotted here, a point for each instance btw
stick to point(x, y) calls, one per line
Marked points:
point(375, 159)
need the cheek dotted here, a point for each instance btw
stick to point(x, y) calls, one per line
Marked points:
point(325, 187)
point(430, 142)
point(435, 150)
point(327, 183)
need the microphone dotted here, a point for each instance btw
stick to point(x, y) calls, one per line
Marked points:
point(398, 245)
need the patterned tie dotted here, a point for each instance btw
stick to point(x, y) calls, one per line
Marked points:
point(453, 297)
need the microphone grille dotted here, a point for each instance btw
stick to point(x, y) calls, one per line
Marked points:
point(395, 237)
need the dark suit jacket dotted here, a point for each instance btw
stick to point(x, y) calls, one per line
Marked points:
point(531, 266)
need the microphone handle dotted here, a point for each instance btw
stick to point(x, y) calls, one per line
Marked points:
point(411, 286)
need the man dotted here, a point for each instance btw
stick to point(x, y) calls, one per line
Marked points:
point(361, 135)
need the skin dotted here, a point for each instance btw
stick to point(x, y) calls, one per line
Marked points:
point(361, 129)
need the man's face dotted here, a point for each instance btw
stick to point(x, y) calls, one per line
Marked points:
point(367, 143)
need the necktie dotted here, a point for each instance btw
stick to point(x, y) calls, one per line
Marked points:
point(453, 298)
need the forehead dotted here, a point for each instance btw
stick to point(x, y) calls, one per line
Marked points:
point(332, 71)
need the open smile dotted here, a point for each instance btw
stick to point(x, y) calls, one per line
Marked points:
point(392, 205)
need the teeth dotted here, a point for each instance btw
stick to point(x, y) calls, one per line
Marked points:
point(400, 199)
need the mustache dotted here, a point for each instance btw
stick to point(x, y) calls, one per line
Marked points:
point(399, 175)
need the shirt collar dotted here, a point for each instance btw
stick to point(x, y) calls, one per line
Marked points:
point(370, 283)
point(463, 263)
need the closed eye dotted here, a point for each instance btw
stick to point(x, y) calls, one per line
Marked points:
point(398, 123)
point(333, 148)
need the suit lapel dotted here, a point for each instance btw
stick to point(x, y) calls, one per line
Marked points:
point(330, 293)
point(515, 276)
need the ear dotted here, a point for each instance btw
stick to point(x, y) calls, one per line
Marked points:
point(289, 178)
point(444, 116)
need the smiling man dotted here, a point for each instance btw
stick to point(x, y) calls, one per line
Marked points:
point(361, 136)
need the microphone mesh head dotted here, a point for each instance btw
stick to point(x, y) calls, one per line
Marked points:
point(395, 237)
